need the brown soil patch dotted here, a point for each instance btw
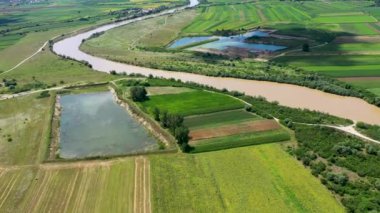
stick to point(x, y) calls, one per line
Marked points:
point(246, 127)
point(359, 79)
point(357, 39)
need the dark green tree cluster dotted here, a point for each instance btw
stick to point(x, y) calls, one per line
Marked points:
point(138, 93)
point(325, 149)
point(10, 83)
point(175, 125)
point(377, 3)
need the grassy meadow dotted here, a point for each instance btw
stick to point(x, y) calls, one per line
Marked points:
point(191, 103)
point(239, 140)
point(24, 130)
point(260, 178)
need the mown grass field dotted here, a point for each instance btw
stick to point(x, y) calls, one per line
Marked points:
point(24, 130)
point(74, 187)
point(191, 103)
point(223, 17)
point(261, 178)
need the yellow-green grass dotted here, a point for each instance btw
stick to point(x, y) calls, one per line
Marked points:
point(336, 65)
point(239, 140)
point(13, 185)
point(51, 69)
point(345, 19)
point(6, 41)
point(219, 118)
point(348, 47)
point(358, 29)
point(283, 12)
point(371, 84)
point(261, 178)
point(155, 32)
point(107, 187)
point(167, 90)
point(24, 133)
point(192, 103)
point(29, 44)
point(224, 17)
point(375, 91)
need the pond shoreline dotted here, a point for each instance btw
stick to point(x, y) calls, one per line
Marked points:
point(148, 125)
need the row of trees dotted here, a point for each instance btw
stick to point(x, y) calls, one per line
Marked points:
point(172, 122)
point(175, 125)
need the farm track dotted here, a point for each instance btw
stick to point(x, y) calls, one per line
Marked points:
point(142, 186)
point(26, 59)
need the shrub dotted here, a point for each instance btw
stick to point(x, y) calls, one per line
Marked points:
point(138, 93)
point(44, 94)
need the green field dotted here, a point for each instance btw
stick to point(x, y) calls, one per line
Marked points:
point(371, 84)
point(219, 118)
point(345, 19)
point(224, 18)
point(349, 47)
point(336, 65)
point(191, 103)
point(261, 178)
point(239, 140)
point(47, 69)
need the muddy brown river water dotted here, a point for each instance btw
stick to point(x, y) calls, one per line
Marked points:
point(286, 94)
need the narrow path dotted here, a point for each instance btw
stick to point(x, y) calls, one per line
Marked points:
point(347, 129)
point(142, 186)
point(26, 59)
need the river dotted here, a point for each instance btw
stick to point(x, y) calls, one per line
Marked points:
point(286, 94)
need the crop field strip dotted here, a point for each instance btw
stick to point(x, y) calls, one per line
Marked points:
point(224, 17)
point(268, 179)
point(142, 192)
point(238, 128)
point(74, 187)
point(219, 119)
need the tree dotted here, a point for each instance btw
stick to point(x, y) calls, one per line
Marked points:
point(377, 3)
point(182, 135)
point(306, 47)
point(156, 113)
point(138, 93)
point(164, 119)
point(174, 121)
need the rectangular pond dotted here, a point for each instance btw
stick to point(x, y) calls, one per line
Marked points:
point(95, 125)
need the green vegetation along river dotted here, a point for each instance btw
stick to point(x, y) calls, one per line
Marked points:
point(286, 94)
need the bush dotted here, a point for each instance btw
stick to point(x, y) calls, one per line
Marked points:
point(44, 94)
point(138, 93)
